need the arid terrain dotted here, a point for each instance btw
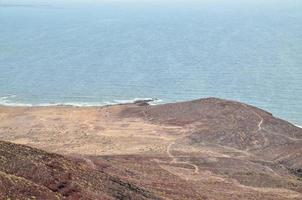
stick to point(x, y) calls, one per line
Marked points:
point(202, 149)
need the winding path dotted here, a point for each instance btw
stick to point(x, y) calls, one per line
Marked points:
point(259, 124)
point(175, 160)
point(259, 116)
point(196, 168)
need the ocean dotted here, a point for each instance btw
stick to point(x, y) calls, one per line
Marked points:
point(107, 52)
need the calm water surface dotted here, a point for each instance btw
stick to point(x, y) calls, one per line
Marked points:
point(102, 53)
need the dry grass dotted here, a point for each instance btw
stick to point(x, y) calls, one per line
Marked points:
point(204, 149)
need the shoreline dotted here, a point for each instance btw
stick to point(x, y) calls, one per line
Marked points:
point(150, 101)
point(135, 101)
point(6, 103)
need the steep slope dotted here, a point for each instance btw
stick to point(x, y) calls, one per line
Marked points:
point(31, 173)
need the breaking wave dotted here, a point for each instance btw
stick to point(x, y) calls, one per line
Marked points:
point(9, 100)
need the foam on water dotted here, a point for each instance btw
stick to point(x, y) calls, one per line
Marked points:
point(8, 101)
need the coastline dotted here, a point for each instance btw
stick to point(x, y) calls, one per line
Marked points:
point(5, 103)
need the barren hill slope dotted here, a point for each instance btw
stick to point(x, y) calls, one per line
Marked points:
point(28, 173)
point(202, 149)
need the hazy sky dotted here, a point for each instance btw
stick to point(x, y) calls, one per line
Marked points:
point(242, 2)
point(192, 4)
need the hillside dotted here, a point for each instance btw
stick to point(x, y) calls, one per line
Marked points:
point(26, 172)
point(202, 149)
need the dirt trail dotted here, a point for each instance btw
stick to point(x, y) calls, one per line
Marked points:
point(175, 160)
point(196, 168)
point(259, 116)
point(261, 128)
point(259, 125)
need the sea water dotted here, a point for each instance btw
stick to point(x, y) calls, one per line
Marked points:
point(106, 52)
